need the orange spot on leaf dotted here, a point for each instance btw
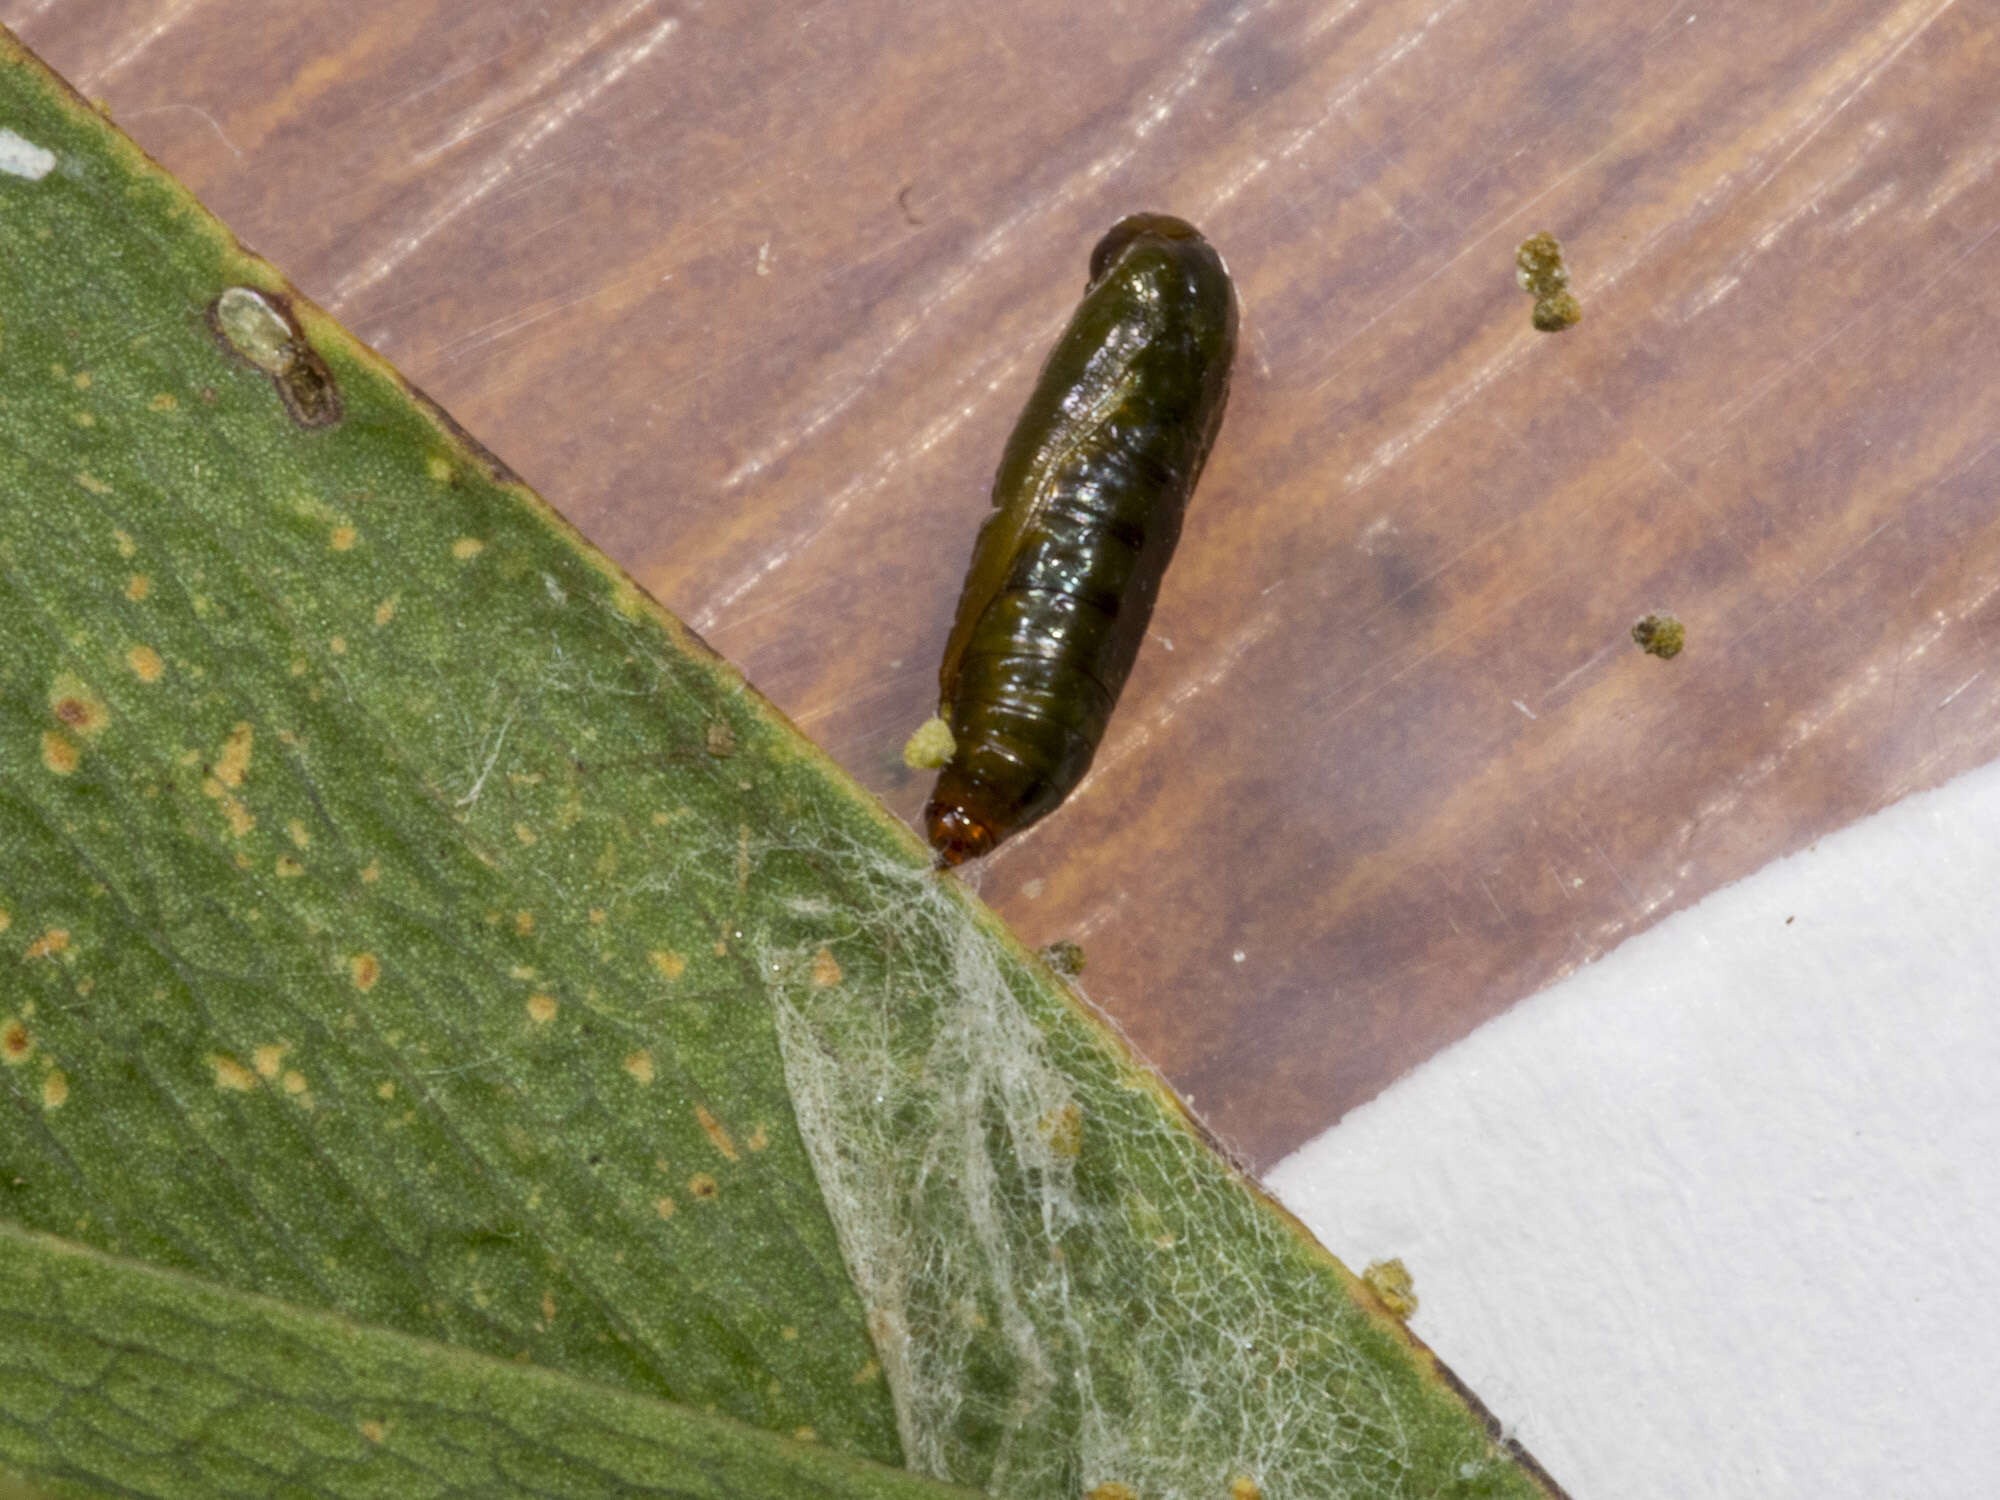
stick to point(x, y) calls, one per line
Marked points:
point(232, 1076)
point(826, 969)
point(49, 944)
point(233, 764)
point(718, 1137)
point(59, 754)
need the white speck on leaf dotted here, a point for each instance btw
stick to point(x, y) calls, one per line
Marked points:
point(20, 157)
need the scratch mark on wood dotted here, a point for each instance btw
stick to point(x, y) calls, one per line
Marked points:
point(504, 162)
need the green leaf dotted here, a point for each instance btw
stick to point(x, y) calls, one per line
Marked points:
point(125, 1379)
point(402, 918)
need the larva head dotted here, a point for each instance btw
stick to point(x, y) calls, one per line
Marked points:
point(956, 834)
point(1133, 227)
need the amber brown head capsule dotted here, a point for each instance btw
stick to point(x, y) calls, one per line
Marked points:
point(956, 834)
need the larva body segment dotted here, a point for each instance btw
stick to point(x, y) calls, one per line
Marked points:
point(1087, 507)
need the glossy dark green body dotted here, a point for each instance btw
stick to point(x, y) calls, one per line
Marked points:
point(1088, 506)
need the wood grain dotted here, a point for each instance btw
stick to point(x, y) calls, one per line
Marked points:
point(755, 300)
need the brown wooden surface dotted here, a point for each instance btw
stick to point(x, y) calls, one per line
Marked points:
point(753, 294)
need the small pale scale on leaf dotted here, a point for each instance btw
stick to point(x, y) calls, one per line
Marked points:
point(260, 330)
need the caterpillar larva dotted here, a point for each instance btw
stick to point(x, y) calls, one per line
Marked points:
point(1087, 508)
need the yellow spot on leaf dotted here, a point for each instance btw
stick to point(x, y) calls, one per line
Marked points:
point(233, 1076)
point(81, 380)
point(668, 962)
point(1062, 1128)
point(268, 1059)
point(541, 1009)
point(467, 547)
point(295, 1082)
point(126, 546)
point(371, 873)
point(825, 970)
point(789, 1334)
point(165, 401)
point(49, 944)
point(1243, 1487)
point(338, 645)
point(1113, 1490)
point(718, 1137)
point(240, 819)
point(439, 469)
point(805, 1434)
point(92, 483)
point(548, 1308)
point(58, 754)
point(288, 868)
point(373, 1430)
point(233, 764)
point(703, 1187)
point(525, 834)
point(524, 922)
point(385, 612)
point(758, 1139)
point(6, 919)
point(664, 1207)
point(300, 835)
point(17, 1044)
point(55, 1090)
point(364, 969)
point(640, 1066)
point(137, 587)
point(868, 1373)
point(386, 1089)
point(145, 663)
point(597, 915)
point(343, 538)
